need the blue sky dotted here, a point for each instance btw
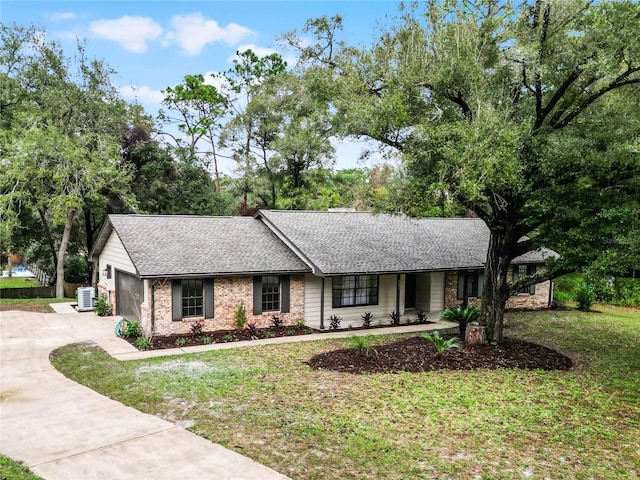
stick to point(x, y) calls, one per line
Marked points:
point(154, 44)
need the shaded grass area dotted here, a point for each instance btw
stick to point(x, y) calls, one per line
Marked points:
point(40, 305)
point(18, 282)
point(12, 470)
point(265, 402)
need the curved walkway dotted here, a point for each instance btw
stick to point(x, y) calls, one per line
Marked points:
point(63, 430)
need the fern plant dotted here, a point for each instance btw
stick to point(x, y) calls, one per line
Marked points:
point(441, 345)
point(362, 344)
point(462, 316)
point(367, 318)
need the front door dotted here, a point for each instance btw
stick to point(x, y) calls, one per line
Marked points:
point(410, 285)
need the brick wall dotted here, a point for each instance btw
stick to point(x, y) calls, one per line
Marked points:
point(522, 300)
point(229, 293)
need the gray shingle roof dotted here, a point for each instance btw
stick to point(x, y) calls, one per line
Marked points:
point(335, 243)
point(182, 245)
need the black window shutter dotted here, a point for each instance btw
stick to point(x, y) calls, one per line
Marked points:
point(257, 295)
point(207, 286)
point(285, 286)
point(515, 273)
point(461, 280)
point(532, 271)
point(176, 300)
point(480, 284)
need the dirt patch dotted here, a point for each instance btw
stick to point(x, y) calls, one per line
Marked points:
point(416, 354)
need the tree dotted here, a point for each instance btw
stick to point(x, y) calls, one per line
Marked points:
point(200, 108)
point(519, 111)
point(61, 137)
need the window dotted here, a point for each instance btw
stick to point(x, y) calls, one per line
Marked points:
point(474, 284)
point(270, 293)
point(521, 271)
point(352, 290)
point(191, 298)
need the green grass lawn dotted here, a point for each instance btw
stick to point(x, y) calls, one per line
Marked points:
point(31, 305)
point(18, 282)
point(12, 470)
point(265, 402)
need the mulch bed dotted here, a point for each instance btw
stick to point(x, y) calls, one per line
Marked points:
point(416, 354)
point(206, 338)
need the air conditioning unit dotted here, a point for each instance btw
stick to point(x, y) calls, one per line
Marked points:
point(86, 297)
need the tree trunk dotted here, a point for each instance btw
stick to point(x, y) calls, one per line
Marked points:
point(476, 335)
point(496, 289)
point(62, 254)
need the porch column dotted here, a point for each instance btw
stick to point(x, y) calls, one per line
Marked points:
point(398, 294)
point(321, 303)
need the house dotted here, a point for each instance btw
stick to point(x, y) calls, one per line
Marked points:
point(169, 271)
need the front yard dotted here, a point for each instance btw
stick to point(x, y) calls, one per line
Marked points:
point(267, 403)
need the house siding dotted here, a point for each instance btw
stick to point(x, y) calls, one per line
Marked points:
point(351, 316)
point(113, 254)
point(229, 293)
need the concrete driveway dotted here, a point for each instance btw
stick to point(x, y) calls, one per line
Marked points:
point(65, 431)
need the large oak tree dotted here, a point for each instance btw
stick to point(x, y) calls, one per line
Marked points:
point(524, 112)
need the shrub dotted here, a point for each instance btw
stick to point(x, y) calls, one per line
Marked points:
point(252, 329)
point(462, 316)
point(206, 340)
point(300, 323)
point(181, 342)
point(128, 329)
point(334, 322)
point(142, 343)
point(362, 344)
point(440, 343)
point(241, 316)
point(395, 318)
point(367, 318)
point(585, 298)
point(421, 317)
point(276, 322)
point(102, 308)
point(196, 328)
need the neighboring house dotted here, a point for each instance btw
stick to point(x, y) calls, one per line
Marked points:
point(169, 271)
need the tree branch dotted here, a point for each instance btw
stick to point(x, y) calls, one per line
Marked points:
point(538, 278)
point(619, 82)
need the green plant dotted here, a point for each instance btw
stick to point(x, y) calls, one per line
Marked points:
point(440, 343)
point(102, 307)
point(308, 331)
point(300, 323)
point(206, 340)
point(181, 342)
point(241, 316)
point(367, 318)
point(362, 344)
point(334, 322)
point(395, 318)
point(462, 316)
point(128, 329)
point(227, 338)
point(585, 298)
point(269, 334)
point(142, 343)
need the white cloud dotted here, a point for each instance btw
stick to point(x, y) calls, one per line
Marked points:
point(142, 94)
point(61, 16)
point(132, 33)
point(193, 32)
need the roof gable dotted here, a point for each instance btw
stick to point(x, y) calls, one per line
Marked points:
point(182, 245)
